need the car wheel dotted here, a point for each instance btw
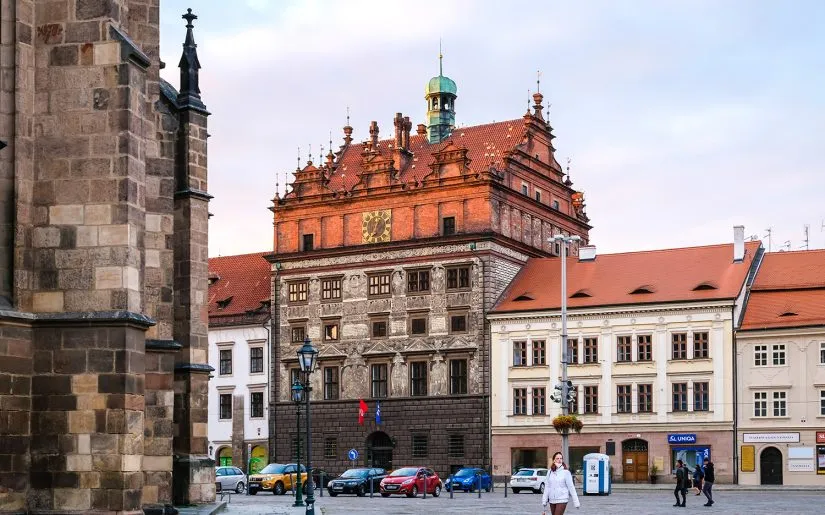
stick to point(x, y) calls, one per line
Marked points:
point(278, 489)
point(540, 489)
point(488, 488)
point(384, 494)
point(252, 492)
point(437, 491)
point(361, 491)
point(516, 490)
point(239, 487)
point(332, 494)
point(413, 492)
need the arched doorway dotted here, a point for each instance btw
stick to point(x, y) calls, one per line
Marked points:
point(258, 459)
point(225, 456)
point(634, 460)
point(770, 466)
point(379, 450)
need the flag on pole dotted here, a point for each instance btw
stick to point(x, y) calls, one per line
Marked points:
point(377, 412)
point(362, 410)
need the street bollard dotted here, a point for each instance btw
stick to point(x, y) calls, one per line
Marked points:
point(372, 484)
point(425, 486)
point(322, 483)
point(292, 484)
point(452, 485)
point(479, 485)
point(505, 486)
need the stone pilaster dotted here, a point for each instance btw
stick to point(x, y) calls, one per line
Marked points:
point(157, 443)
point(239, 457)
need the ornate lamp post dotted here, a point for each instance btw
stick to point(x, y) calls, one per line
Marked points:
point(298, 398)
point(308, 359)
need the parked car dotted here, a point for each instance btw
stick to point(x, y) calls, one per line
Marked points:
point(528, 479)
point(357, 481)
point(409, 481)
point(467, 479)
point(276, 478)
point(230, 478)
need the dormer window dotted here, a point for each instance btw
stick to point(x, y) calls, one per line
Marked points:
point(581, 294)
point(523, 297)
point(643, 290)
point(707, 285)
point(222, 304)
point(789, 314)
point(213, 279)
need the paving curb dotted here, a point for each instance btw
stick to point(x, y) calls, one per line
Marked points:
point(202, 509)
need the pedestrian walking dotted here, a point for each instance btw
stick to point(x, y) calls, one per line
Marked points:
point(707, 487)
point(558, 488)
point(698, 476)
point(682, 484)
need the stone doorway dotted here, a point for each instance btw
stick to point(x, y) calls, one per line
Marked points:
point(770, 466)
point(634, 460)
point(379, 450)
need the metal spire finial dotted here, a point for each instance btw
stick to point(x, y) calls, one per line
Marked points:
point(538, 81)
point(299, 158)
point(440, 59)
point(189, 17)
point(347, 115)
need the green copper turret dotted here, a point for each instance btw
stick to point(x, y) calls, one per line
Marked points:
point(440, 94)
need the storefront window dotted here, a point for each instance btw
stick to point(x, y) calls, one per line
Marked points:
point(692, 456)
point(577, 457)
point(820, 459)
point(521, 458)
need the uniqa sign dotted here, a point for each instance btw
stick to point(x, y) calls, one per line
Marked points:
point(681, 438)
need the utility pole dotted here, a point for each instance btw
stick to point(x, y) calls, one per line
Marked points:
point(565, 384)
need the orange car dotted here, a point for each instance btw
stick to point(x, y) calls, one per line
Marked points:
point(276, 478)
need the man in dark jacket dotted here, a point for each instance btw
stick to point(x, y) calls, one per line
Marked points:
point(709, 479)
point(682, 482)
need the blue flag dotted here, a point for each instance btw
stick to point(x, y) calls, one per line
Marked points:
point(377, 412)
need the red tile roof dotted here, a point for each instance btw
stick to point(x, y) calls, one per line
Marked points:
point(789, 291)
point(244, 279)
point(486, 144)
point(668, 275)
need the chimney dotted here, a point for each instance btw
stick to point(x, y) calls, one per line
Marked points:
point(738, 243)
point(587, 253)
point(421, 129)
point(374, 134)
point(406, 135)
point(398, 122)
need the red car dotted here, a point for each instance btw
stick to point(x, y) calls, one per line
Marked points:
point(409, 481)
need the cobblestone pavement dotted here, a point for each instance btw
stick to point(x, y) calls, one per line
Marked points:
point(728, 502)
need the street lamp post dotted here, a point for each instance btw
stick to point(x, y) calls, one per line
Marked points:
point(308, 358)
point(297, 398)
point(564, 241)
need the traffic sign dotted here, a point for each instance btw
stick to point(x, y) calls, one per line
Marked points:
point(352, 454)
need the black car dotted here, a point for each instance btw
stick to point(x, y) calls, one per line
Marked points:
point(356, 481)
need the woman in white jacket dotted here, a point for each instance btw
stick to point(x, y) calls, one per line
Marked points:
point(558, 487)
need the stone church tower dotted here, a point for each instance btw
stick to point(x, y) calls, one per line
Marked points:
point(388, 256)
point(103, 262)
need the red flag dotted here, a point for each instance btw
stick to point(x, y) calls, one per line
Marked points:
point(362, 410)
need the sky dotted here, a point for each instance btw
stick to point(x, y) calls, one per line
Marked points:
point(681, 119)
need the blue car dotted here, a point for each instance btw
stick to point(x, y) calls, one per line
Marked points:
point(466, 479)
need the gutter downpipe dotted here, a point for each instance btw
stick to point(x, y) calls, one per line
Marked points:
point(735, 404)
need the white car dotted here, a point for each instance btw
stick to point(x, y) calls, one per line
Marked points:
point(230, 478)
point(528, 479)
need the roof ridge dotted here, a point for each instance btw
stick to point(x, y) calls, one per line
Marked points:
point(261, 253)
point(650, 251)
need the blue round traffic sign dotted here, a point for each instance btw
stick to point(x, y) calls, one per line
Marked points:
point(352, 454)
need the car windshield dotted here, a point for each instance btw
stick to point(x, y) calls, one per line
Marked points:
point(407, 471)
point(355, 473)
point(273, 468)
point(465, 473)
point(528, 472)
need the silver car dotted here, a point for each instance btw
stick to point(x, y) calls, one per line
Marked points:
point(230, 478)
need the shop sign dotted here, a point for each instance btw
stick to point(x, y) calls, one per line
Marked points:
point(677, 438)
point(820, 437)
point(771, 437)
point(800, 453)
point(800, 466)
point(748, 458)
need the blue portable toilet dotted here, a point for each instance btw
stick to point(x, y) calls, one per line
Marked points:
point(596, 480)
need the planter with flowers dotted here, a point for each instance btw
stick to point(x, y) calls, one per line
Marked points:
point(567, 423)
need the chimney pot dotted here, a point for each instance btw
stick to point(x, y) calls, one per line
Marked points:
point(587, 253)
point(421, 129)
point(738, 243)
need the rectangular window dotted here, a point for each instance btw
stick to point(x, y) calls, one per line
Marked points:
point(645, 396)
point(519, 401)
point(539, 404)
point(644, 343)
point(572, 351)
point(331, 288)
point(573, 404)
point(679, 345)
point(378, 285)
point(519, 354)
point(226, 406)
point(538, 195)
point(458, 278)
point(418, 378)
point(456, 446)
point(458, 376)
point(294, 375)
point(331, 390)
point(525, 190)
point(701, 348)
point(419, 446)
point(298, 291)
point(591, 399)
point(330, 447)
point(308, 241)
point(226, 362)
point(555, 205)
point(822, 403)
point(778, 354)
point(418, 325)
point(418, 281)
point(624, 399)
point(701, 397)
point(760, 355)
point(331, 331)
point(256, 360)
point(760, 404)
point(624, 348)
point(539, 354)
point(822, 353)
point(780, 404)
point(680, 397)
point(458, 323)
point(378, 377)
point(257, 401)
point(448, 225)
point(378, 329)
point(591, 350)
point(298, 333)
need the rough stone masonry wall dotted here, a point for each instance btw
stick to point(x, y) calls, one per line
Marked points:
point(157, 441)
